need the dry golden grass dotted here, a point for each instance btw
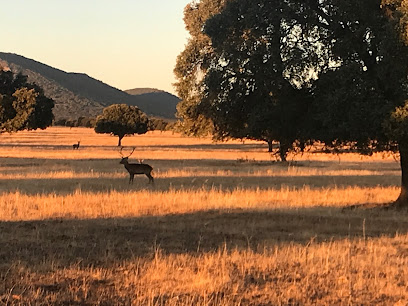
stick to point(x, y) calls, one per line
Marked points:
point(56, 142)
point(113, 204)
point(224, 224)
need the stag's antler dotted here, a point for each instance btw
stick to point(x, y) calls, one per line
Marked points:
point(120, 152)
point(132, 152)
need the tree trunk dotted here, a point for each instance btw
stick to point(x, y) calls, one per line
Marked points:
point(120, 141)
point(283, 150)
point(282, 155)
point(270, 148)
point(402, 201)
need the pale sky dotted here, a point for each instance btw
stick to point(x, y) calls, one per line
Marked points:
point(124, 43)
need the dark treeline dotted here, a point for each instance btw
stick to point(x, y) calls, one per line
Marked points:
point(155, 124)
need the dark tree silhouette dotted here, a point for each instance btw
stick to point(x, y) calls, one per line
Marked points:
point(300, 71)
point(121, 120)
point(23, 106)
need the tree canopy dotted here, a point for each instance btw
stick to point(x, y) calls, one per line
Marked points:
point(253, 87)
point(268, 55)
point(192, 65)
point(23, 106)
point(121, 120)
point(295, 71)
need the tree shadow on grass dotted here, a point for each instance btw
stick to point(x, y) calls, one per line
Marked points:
point(168, 147)
point(62, 186)
point(233, 175)
point(179, 164)
point(102, 242)
point(228, 175)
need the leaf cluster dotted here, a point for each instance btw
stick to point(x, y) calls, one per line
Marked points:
point(121, 120)
point(303, 71)
point(23, 106)
point(192, 64)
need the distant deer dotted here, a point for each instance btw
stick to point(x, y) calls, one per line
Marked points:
point(75, 146)
point(136, 168)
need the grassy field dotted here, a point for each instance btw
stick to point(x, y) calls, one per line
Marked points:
point(224, 224)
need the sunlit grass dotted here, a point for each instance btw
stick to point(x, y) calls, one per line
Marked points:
point(224, 224)
point(19, 207)
point(56, 142)
point(189, 173)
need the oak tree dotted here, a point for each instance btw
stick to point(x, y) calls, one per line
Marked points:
point(331, 70)
point(121, 120)
point(23, 106)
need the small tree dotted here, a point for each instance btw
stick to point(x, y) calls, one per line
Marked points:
point(23, 106)
point(121, 120)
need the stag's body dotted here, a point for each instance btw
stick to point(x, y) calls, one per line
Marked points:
point(75, 146)
point(137, 169)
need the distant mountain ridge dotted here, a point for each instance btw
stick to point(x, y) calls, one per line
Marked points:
point(141, 91)
point(77, 94)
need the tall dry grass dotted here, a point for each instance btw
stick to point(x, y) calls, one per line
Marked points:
point(113, 204)
point(225, 224)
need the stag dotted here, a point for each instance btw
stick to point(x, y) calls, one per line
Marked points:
point(136, 168)
point(75, 146)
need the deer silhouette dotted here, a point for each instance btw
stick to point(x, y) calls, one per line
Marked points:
point(136, 168)
point(75, 146)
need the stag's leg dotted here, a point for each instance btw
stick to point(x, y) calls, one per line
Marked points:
point(131, 178)
point(150, 178)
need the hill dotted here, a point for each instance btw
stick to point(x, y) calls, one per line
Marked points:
point(77, 94)
point(141, 91)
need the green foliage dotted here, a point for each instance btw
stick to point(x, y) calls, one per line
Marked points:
point(121, 120)
point(86, 122)
point(296, 71)
point(396, 126)
point(397, 10)
point(23, 106)
point(158, 124)
point(82, 121)
point(192, 65)
point(249, 89)
point(354, 100)
point(299, 71)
